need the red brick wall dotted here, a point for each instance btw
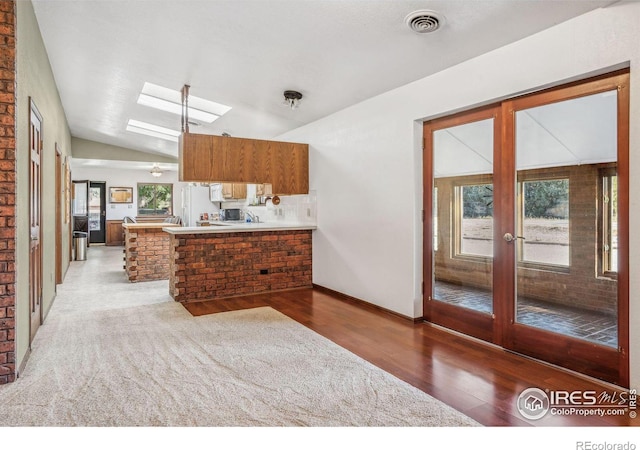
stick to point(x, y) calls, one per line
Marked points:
point(146, 254)
point(211, 266)
point(7, 191)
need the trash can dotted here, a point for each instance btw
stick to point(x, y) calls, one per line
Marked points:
point(80, 245)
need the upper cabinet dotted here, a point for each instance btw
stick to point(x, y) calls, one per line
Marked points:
point(209, 158)
point(234, 191)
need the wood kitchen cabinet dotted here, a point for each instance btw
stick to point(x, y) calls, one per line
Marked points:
point(263, 189)
point(207, 158)
point(115, 233)
point(236, 191)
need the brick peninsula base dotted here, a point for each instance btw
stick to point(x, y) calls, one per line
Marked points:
point(146, 251)
point(219, 265)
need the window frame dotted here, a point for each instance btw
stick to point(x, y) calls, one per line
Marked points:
point(458, 212)
point(169, 214)
point(604, 222)
point(533, 176)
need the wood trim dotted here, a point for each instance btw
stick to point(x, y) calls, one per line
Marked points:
point(59, 215)
point(623, 226)
point(364, 303)
point(466, 321)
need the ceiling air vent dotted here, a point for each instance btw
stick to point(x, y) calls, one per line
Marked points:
point(424, 21)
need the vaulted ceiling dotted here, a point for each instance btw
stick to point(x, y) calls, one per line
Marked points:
point(245, 53)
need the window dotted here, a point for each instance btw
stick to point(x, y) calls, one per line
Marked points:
point(155, 199)
point(474, 207)
point(608, 226)
point(545, 221)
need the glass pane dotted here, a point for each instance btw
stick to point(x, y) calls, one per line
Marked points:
point(546, 222)
point(463, 215)
point(562, 150)
point(79, 204)
point(476, 223)
point(95, 209)
point(155, 199)
point(613, 224)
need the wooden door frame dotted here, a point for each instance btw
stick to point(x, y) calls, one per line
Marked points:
point(34, 110)
point(59, 215)
point(103, 203)
point(467, 321)
point(591, 359)
point(605, 363)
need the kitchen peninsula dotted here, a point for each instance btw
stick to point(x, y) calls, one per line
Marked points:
point(146, 251)
point(228, 260)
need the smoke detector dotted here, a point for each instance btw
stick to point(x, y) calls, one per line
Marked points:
point(424, 21)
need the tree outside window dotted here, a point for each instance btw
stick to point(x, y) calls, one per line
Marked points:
point(155, 199)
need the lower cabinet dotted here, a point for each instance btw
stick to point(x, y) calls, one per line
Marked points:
point(115, 232)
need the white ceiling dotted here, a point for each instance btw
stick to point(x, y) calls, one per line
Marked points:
point(246, 53)
point(573, 132)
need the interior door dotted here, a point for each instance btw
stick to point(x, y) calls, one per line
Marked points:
point(35, 235)
point(97, 212)
point(566, 235)
point(527, 247)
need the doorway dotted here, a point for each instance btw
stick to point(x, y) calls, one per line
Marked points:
point(528, 243)
point(35, 234)
point(97, 212)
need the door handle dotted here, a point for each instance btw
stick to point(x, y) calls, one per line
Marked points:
point(510, 237)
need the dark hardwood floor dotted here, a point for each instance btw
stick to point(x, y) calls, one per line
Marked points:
point(475, 378)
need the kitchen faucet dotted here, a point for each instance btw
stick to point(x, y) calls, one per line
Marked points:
point(253, 217)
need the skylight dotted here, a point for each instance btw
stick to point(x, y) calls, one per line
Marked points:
point(149, 129)
point(170, 100)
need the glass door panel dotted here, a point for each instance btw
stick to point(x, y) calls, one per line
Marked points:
point(566, 218)
point(463, 215)
point(95, 209)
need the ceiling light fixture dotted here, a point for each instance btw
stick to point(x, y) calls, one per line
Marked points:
point(149, 129)
point(155, 170)
point(169, 100)
point(292, 98)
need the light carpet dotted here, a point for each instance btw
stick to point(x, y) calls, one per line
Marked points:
point(156, 365)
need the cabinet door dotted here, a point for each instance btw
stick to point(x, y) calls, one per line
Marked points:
point(240, 191)
point(115, 232)
point(215, 192)
point(227, 190)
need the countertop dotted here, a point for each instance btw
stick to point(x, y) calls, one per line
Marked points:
point(242, 227)
point(134, 225)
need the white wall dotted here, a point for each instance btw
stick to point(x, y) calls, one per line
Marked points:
point(366, 161)
point(128, 178)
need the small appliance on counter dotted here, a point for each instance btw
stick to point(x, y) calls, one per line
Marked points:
point(231, 215)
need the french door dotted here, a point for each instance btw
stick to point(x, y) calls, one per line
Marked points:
point(528, 243)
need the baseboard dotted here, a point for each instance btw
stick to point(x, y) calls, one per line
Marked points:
point(365, 303)
point(23, 364)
